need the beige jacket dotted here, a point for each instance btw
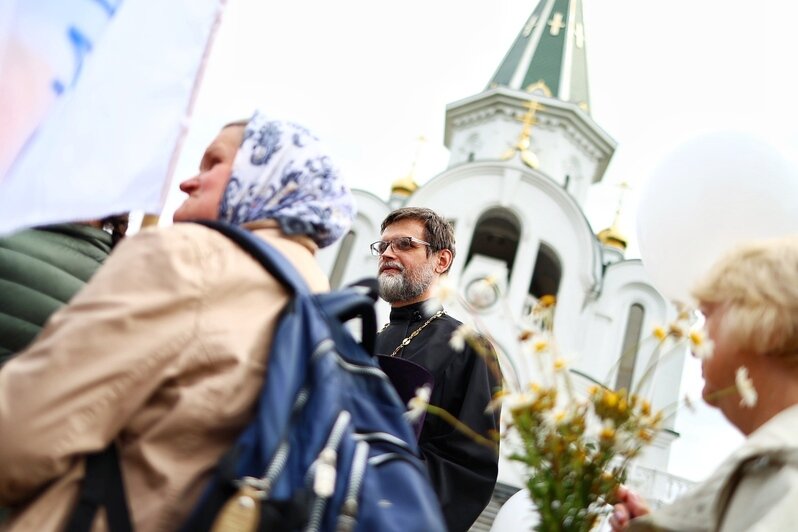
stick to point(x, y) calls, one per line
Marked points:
point(754, 490)
point(165, 349)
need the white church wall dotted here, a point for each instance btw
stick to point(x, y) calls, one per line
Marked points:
point(564, 139)
point(371, 211)
point(546, 215)
point(626, 283)
point(490, 138)
point(358, 262)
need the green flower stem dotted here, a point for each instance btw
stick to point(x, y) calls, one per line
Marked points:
point(724, 392)
point(462, 427)
point(656, 358)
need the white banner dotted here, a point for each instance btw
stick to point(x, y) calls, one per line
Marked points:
point(94, 100)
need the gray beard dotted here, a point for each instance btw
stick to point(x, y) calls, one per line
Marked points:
point(405, 286)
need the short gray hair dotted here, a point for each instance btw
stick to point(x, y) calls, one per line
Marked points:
point(757, 286)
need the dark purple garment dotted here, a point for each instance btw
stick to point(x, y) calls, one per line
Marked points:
point(407, 377)
point(463, 472)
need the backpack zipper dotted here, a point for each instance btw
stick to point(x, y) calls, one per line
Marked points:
point(348, 518)
point(324, 470)
point(365, 370)
point(383, 437)
point(266, 482)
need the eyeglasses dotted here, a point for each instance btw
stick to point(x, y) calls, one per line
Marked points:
point(401, 243)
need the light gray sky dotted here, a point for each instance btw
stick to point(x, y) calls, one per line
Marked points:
point(370, 77)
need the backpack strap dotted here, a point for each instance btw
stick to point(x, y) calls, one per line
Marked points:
point(270, 258)
point(354, 301)
point(102, 485)
point(775, 459)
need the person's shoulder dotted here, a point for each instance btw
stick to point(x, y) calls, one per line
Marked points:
point(453, 323)
point(164, 247)
point(450, 321)
point(181, 234)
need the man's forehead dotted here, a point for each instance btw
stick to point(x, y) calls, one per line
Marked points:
point(405, 227)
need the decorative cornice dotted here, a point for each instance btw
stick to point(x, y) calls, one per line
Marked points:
point(575, 124)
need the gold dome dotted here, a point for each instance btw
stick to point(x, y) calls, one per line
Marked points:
point(612, 237)
point(404, 186)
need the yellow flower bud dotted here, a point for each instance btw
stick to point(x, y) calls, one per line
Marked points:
point(623, 405)
point(607, 433)
point(676, 330)
point(541, 345)
point(547, 301)
point(610, 399)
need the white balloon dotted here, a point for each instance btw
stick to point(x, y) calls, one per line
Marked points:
point(709, 195)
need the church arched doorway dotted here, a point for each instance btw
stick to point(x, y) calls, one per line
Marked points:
point(548, 271)
point(496, 236)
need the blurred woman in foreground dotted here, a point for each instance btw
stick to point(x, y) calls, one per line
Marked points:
point(164, 351)
point(750, 301)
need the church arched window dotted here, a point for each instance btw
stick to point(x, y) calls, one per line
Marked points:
point(629, 348)
point(342, 259)
point(496, 235)
point(547, 274)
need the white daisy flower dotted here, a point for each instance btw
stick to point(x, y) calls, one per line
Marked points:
point(553, 418)
point(460, 336)
point(560, 365)
point(700, 344)
point(418, 404)
point(519, 401)
point(497, 401)
point(443, 293)
point(745, 387)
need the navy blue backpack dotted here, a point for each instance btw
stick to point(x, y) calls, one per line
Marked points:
point(328, 448)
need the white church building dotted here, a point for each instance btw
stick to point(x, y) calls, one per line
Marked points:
point(524, 154)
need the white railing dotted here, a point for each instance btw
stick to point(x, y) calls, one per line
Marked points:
point(656, 486)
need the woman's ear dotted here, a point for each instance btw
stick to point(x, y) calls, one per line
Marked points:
point(444, 261)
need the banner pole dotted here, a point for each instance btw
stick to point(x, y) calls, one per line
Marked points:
point(153, 219)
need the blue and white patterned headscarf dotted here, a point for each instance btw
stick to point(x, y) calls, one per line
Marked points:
point(282, 172)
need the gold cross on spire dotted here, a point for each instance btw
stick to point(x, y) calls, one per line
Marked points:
point(405, 186)
point(420, 140)
point(612, 236)
point(522, 144)
point(624, 187)
point(556, 24)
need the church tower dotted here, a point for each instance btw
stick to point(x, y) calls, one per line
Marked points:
point(549, 55)
point(536, 107)
point(524, 153)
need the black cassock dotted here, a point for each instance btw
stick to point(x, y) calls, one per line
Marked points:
point(463, 472)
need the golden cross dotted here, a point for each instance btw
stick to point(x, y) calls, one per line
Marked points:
point(529, 25)
point(420, 140)
point(522, 144)
point(556, 24)
point(624, 186)
point(529, 119)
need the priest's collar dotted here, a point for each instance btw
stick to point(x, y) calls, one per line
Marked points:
point(413, 312)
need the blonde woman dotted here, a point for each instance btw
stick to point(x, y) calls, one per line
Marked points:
point(750, 301)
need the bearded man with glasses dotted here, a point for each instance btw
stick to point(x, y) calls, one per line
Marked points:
point(417, 248)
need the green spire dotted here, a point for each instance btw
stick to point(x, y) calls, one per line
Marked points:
point(549, 54)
